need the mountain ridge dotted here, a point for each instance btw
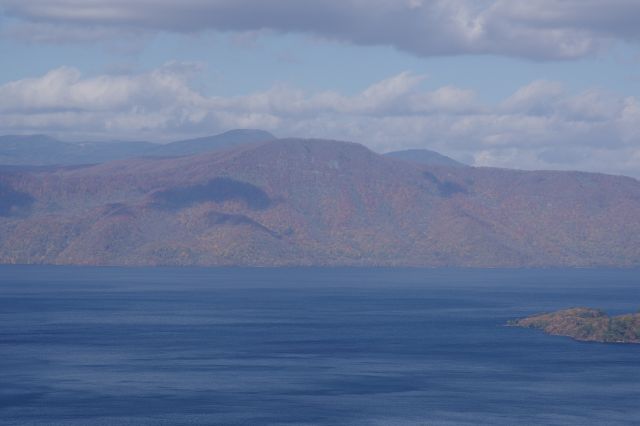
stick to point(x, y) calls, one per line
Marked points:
point(425, 156)
point(300, 202)
point(43, 150)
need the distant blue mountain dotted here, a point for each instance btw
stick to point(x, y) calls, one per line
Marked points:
point(34, 150)
point(41, 150)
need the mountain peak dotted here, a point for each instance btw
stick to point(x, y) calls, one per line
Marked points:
point(299, 150)
point(320, 145)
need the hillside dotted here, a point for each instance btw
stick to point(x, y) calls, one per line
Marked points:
point(586, 324)
point(311, 202)
point(425, 156)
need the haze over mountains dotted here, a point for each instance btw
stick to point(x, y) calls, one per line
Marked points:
point(251, 199)
point(44, 150)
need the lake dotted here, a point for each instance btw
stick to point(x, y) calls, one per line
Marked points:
point(308, 346)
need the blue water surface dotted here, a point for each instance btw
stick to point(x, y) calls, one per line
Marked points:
point(165, 346)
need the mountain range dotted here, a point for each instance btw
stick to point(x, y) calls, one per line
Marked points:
point(39, 150)
point(43, 150)
point(262, 201)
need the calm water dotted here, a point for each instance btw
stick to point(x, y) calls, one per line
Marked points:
point(308, 346)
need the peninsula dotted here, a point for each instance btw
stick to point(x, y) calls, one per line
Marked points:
point(586, 324)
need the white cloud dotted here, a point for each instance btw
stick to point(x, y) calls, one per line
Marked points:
point(541, 29)
point(63, 89)
point(542, 125)
point(536, 97)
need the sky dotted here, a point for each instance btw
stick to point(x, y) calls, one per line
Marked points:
point(530, 84)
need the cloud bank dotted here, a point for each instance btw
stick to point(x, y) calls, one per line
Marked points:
point(540, 29)
point(541, 125)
